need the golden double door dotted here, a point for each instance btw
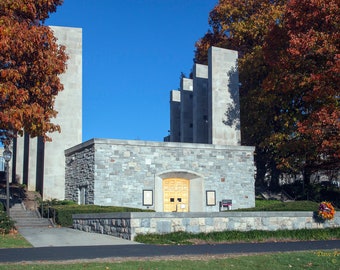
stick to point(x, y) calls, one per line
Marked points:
point(176, 195)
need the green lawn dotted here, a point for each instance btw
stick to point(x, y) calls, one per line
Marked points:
point(320, 260)
point(13, 241)
point(274, 205)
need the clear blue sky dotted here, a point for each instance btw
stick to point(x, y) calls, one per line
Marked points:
point(133, 54)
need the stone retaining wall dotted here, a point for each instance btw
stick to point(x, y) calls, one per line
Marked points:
point(128, 225)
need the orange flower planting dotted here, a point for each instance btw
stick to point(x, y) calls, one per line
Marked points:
point(326, 211)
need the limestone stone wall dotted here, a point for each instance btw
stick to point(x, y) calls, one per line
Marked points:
point(115, 172)
point(128, 225)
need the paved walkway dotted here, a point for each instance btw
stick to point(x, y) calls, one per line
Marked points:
point(62, 237)
point(148, 251)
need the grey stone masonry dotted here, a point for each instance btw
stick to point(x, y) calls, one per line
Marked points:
point(80, 175)
point(116, 172)
point(129, 225)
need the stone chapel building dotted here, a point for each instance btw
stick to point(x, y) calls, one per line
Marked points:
point(201, 166)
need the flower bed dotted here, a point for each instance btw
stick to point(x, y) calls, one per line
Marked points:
point(326, 211)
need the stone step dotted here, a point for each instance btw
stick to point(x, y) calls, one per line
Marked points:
point(32, 225)
point(18, 226)
point(30, 222)
point(17, 214)
point(25, 218)
point(22, 212)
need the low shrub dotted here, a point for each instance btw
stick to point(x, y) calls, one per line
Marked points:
point(6, 223)
point(45, 207)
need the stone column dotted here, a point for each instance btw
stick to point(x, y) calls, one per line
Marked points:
point(175, 116)
point(200, 104)
point(186, 110)
point(69, 106)
point(19, 159)
point(32, 161)
point(224, 107)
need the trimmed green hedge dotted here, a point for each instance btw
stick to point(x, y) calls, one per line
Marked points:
point(63, 213)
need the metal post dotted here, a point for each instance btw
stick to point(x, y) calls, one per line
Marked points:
point(7, 189)
point(7, 154)
point(42, 209)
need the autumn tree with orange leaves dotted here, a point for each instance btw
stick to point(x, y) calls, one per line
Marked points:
point(304, 58)
point(289, 74)
point(30, 64)
point(243, 26)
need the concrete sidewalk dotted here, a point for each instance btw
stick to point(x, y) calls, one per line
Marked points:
point(63, 237)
